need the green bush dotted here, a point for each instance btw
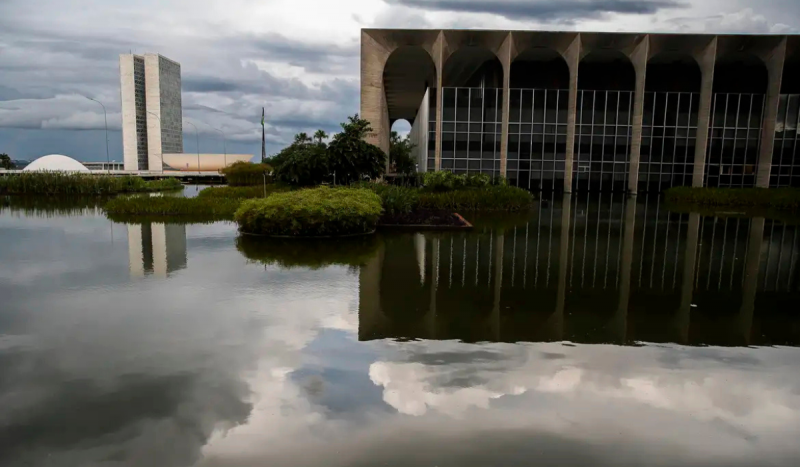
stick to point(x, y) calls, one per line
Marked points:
point(351, 158)
point(241, 192)
point(395, 199)
point(308, 253)
point(776, 198)
point(305, 164)
point(490, 198)
point(206, 208)
point(313, 212)
point(448, 181)
point(247, 173)
point(60, 183)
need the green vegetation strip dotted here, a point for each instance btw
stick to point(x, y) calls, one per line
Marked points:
point(56, 183)
point(126, 208)
point(785, 199)
point(241, 192)
point(404, 200)
point(247, 174)
point(313, 212)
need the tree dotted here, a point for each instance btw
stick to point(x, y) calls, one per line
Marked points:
point(400, 150)
point(320, 136)
point(302, 138)
point(5, 162)
point(304, 165)
point(351, 158)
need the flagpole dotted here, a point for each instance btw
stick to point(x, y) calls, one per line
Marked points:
point(263, 143)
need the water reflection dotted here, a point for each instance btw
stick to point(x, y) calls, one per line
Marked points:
point(156, 248)
point(601, 270)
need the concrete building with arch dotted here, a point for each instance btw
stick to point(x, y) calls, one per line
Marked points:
point(579, 111)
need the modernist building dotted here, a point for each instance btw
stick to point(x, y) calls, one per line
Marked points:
point(152, 120)
point(590, 111)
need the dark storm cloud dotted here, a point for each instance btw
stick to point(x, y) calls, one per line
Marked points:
point(561, 11)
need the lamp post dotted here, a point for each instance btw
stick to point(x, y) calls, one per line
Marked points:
point(105, 118)
point(197, 141)
point(160, 153)
point(224, 148)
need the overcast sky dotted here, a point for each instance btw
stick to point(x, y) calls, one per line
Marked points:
point(297, 58)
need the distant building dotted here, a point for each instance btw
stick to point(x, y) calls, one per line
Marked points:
point(104, 165)
point(152, 115)
point(55, 163)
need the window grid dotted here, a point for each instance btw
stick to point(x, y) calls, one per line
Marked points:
point(785, 166)
point(734, 140)
point(669, 133)
point(595, 168)
point(537, 137)
point(471, 130)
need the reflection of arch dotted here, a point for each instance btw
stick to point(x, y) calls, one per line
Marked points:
point(407, 75)
point(606, 70)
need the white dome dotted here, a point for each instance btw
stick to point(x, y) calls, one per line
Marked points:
point(55, 163)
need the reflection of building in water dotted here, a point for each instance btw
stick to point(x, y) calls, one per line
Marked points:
point(155, 248)
point(605, 270)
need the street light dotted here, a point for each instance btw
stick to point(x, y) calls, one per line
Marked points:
point(105, 117)
point(224, 145)
point(197, 141)
point(161, 154)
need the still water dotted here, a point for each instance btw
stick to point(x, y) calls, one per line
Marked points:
point(590, 332)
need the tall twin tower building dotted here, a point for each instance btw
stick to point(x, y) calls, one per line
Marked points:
point(152, 120)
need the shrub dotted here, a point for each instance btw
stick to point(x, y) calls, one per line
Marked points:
point(395, 199)
point(447, 181)
point(313, 212)
point(205, 208)
point(246, 173)
point(400, 150)
point(60, 183)
point(305, 165)
point(241, 192)
point(308, 253)
point(490, 198)
point(777, 198)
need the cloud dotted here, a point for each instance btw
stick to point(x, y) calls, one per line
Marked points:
point(567, 11)
point(743, 21)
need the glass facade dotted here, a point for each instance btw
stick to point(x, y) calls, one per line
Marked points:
point(734, 140)
point(669, 135)
point(471, 130)
point(602, 140)
point(785, 163)
point(537, 138)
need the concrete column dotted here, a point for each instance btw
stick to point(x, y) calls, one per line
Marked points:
point(621, 317)
point(373, 95)
point(556, 322)
point(639, 59)
point(750, 286)
point(573, 59)
point(430, 318)
point(371, 322)
point(687, 286)
point(505, 59)
point(438, 59)
point(499, 253)
point(707, 59)
point(774, 61)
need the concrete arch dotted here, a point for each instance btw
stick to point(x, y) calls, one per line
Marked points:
point(539, 68)
point(670, 71)
point(473, 66)
point(740, 72)
point(606, 70)
point(407, 74)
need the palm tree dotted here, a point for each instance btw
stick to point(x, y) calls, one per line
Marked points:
point(302, 138)
point(320, 135)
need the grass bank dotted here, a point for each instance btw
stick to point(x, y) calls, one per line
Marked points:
point(137, 208)
point(241, 192)
point(56, 183)
point(314, 212)
point(404, 200)
point(783, 199)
